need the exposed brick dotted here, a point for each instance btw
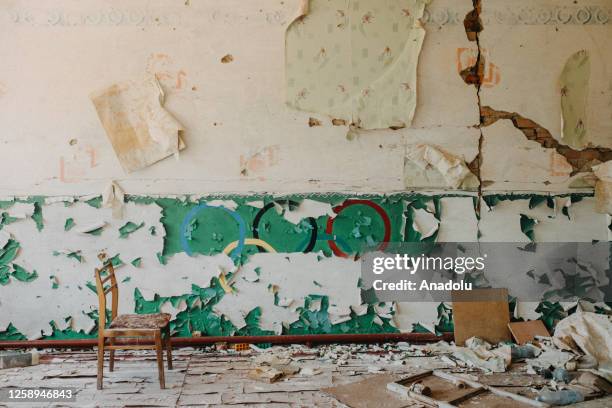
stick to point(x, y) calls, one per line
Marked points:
point(580, 160)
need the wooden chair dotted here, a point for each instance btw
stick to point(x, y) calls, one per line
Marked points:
point(154, 328)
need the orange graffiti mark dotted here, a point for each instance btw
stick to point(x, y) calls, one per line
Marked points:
point(467, 58)
point(166, 71)
point(74, 168)
point(179, 79)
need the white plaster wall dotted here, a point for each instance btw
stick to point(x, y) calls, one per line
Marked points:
point(59, 51)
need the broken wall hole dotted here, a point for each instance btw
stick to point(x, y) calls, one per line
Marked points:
point(580, 160)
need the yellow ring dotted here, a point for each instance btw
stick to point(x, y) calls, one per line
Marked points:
point(249, 241)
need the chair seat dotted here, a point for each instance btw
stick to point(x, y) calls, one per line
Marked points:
point(141, 321)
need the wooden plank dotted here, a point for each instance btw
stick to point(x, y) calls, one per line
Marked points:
point(524, 332)
point(369, 393)
point(482, 313)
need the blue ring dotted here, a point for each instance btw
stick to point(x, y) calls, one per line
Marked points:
point(194, 211)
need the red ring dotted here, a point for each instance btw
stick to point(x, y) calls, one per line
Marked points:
point(330, 224)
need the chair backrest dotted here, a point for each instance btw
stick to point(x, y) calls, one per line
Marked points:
point(103, 275)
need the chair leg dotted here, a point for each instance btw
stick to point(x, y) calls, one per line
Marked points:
point(100, 361)
point(160, 359)
point(111, 364)
point(168, 347)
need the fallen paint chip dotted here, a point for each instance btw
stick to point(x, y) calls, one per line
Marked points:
point(140, 130)
point(226, 59)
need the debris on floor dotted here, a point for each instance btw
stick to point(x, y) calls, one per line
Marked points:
point(12, 359)
point(524, 332)
point(391, 375)
point(354, 375)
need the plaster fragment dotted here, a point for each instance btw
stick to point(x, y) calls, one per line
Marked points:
point(113, 197)
point(603, 188)
point(452, 168)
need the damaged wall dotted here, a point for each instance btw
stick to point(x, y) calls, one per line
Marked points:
point(253, 226)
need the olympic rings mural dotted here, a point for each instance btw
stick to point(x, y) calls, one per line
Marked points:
point(337, 244)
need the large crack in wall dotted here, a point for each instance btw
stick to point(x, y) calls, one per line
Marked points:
point(580, 160)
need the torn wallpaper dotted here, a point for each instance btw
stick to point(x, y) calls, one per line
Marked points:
point(574, 84)
point(452, 168)
point(356, 60)
point(141, 131)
